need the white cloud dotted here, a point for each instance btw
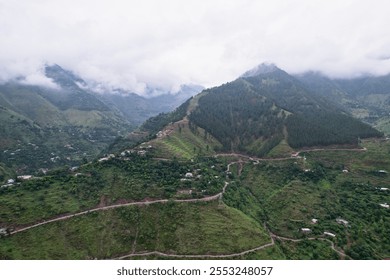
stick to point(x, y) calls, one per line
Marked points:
point(129, 44)
point(39, 79)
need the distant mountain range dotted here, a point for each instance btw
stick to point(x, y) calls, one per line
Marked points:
point(263, 112)
point(44, 127)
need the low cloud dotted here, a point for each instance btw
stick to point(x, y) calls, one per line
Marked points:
point(136, 45)
point(39, 79)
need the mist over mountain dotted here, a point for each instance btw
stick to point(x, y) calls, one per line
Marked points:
point(69, 122)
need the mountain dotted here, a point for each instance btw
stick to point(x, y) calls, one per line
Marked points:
point(265, 111)
point(366, 98)
point(263, 68)
point(42, 128)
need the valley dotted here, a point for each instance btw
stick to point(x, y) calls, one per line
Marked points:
point(258, 168)
point(256, 201)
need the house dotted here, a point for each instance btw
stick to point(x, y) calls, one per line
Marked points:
point(345, 171)
point(329, 234)
point(73, 168)
point(159, 134)
point(189, 175)
point(106, 158)
point(342, 222)
point(25, 177)
point(3, 231)
point(385, 205)
point(10, 181)
point(43, 170)
point(314, 221)
point(384, 189)
point(306, 230)
point(295, 154)
point(382, 171)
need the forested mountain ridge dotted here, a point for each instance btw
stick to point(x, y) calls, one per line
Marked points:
point(255, 113)
point(366, 98)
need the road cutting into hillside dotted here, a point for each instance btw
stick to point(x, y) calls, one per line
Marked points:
point(109, 207)
point(168, 255)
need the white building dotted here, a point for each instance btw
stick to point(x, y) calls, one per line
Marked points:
point(306, 230)
point(25, 177)
point(329, 234)
point(385, 205)
point(342, 221)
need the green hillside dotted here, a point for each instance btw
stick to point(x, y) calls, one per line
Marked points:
point(254, 114)
point(40, 133)
point(157, 211)
point(259, 168)
point(366, 98)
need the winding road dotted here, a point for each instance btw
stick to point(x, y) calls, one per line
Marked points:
point(194, 200)
point(139, 203)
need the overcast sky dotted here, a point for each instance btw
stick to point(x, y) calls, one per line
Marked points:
point(131, 43)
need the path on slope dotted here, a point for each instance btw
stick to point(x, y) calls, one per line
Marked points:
point(253, 158)
point(138, 203)
point(239, 254)
point(208, 198)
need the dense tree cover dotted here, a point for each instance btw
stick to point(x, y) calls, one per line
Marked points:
point(367, 97)
point(250, 114)
point(326, 129)
point(237, 116)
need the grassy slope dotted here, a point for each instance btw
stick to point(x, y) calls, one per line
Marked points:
point(204, 228)
point(27, 117)
point(107, 182)
point(186, 143)
point(288, 198)
point(277, 192)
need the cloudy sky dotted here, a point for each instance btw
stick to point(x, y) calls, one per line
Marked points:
point(131, 43)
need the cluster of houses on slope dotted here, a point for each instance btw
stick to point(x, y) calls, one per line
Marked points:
point(141, 151)
point(327, 233)
point(13, 182)
point(164, 133)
